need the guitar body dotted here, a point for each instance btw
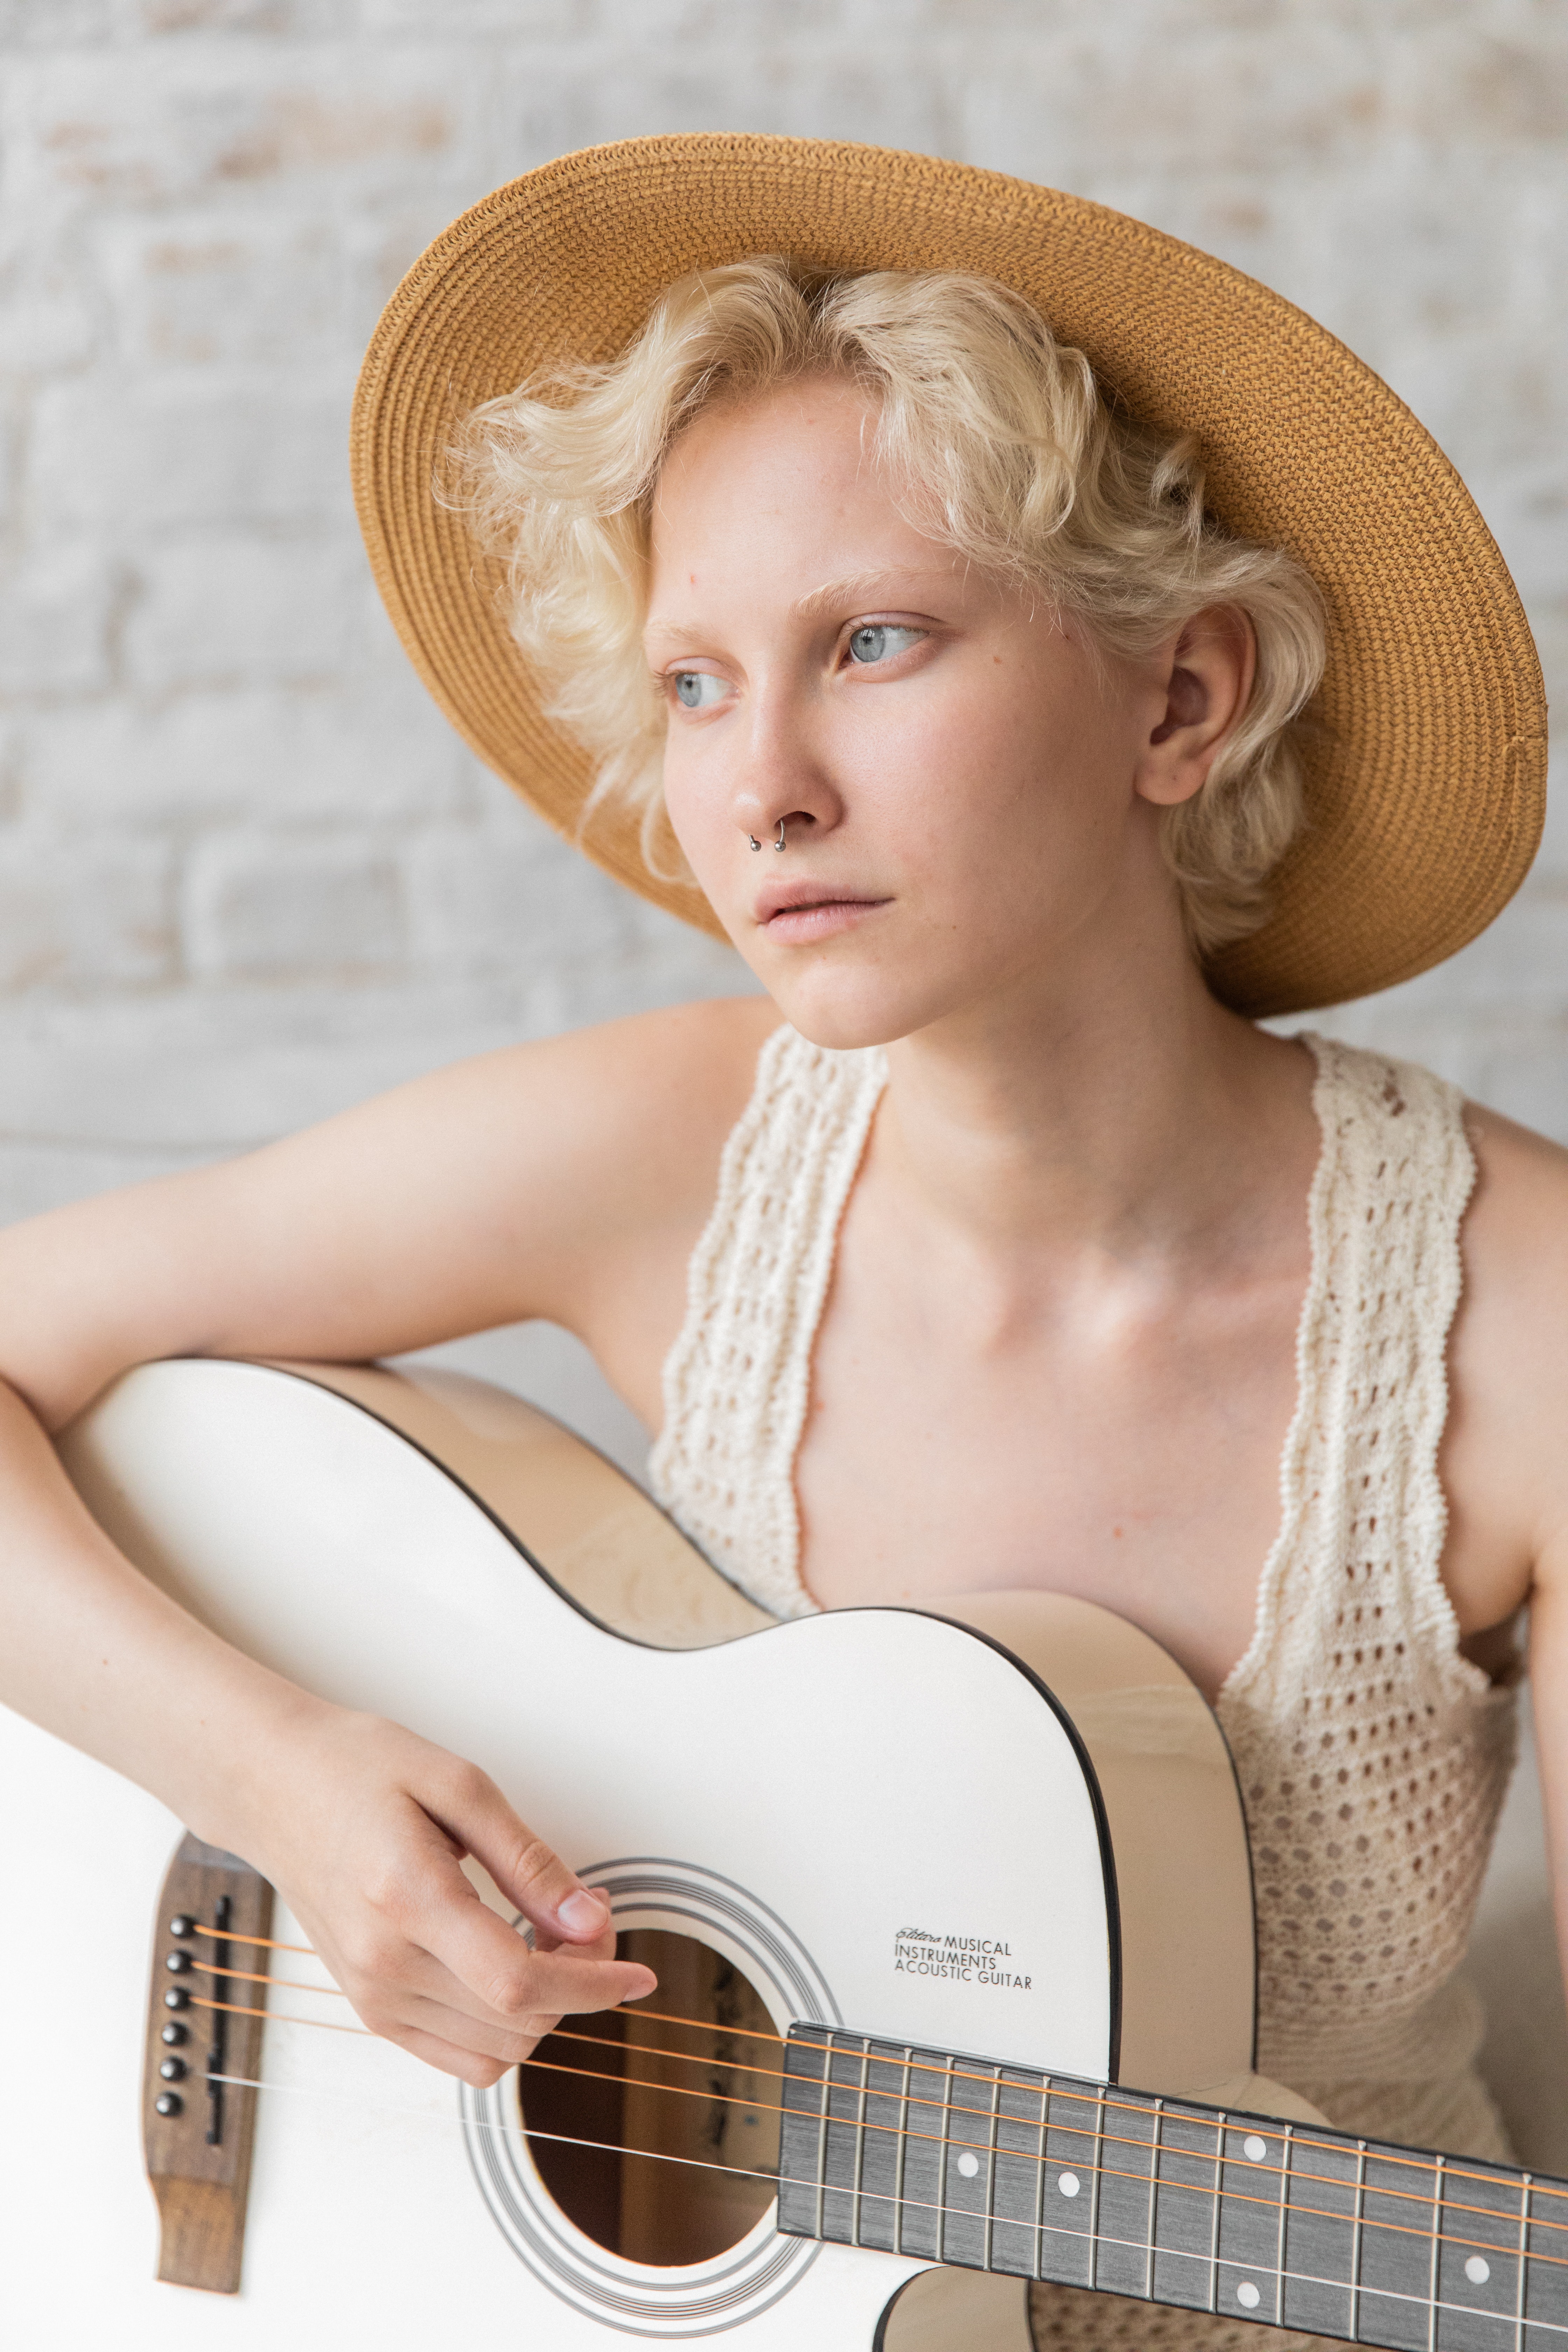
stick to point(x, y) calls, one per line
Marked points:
point(1009, 1827)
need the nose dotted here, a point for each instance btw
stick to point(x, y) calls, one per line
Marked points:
point(783, 795)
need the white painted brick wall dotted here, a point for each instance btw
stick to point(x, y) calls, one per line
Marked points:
point(246, 871)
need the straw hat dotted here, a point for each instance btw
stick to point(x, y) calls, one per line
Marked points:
point(1427, 782)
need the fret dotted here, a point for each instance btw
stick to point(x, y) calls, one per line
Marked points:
point(1476, 2274)
point(920, 2157)
point(1355, 2253)
point(990, 2261)
point(1546, 2279)
point(1286, 2148)
point(966, 2180)
point(1215, 2210)
point(1096, 2174)
point(899, 2155)
point(1037, 2267)
point(942, 2253)
point(1395, 2270)
point(1523, 2251)
point(1184, 2241)
point(822, 2147)
point(1248, 2284)
point(1017, 2176)
point(1321, 2193)
point(860, 2138)
point(1126, 2215)
point(1159, 2118)
point(1069, 2186)
point(802, 2136)
point(845, 2141)
point(882, 2121)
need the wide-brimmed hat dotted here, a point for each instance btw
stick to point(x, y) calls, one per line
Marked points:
point(1427, 772)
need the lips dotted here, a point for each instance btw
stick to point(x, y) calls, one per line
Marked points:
point(789, 897)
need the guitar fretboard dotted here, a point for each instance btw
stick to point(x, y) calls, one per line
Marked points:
point(955, 2159)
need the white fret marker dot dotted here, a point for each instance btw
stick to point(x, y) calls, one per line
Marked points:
point(1255, 2147)
point(1070, 2184)
point(1478, 2270)
point(1246, 2295)
point(969, 2166)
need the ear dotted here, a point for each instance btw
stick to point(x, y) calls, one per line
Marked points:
point(1207, 674)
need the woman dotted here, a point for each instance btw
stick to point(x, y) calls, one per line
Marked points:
point(991, 1246)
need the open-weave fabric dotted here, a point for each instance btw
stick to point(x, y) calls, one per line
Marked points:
point(1373, 1756)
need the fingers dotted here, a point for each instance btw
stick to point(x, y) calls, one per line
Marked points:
point(382, 1894)
point(468, 2067)
point(549, 1896)
point(491, 1963)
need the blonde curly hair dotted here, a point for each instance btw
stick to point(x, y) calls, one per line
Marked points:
point(994, 440)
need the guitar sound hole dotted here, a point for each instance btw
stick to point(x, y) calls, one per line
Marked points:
point(639, 2110)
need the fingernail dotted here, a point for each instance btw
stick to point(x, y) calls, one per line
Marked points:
point(583, 1914)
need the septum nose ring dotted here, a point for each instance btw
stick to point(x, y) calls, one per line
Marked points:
point(780, 844)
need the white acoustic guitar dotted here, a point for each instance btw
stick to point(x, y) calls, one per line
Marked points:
point(950, 1912)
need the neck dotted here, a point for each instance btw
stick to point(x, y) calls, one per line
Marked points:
point(1127, 1112)
point(1005, 2168)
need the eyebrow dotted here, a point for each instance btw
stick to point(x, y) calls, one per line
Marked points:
point(855, 587)
point(850, 588)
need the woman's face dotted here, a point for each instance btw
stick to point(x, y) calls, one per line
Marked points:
point(966, 793)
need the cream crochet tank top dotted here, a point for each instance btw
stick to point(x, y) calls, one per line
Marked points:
point(1373, 1757)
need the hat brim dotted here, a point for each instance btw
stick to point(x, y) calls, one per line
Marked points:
point(1426, 767)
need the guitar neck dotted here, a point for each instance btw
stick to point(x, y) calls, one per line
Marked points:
point(1000, 2168)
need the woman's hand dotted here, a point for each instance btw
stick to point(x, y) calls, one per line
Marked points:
point(363, 1826)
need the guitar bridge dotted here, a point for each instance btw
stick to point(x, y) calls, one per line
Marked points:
point(204, 2050)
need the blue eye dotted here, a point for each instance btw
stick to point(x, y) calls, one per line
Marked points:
point(879, 640)
point(698, 689)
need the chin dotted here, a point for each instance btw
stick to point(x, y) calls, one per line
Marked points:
point(848, 1010)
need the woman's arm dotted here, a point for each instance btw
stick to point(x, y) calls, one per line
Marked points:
point(567, 1179)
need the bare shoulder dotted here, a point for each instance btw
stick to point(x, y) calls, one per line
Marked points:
point(1506, 1455)
point(638, 1107)
point(1516, 1231)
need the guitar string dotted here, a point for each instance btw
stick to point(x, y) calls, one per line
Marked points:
point(1255, 2169)
point(775, 2181)
point(749, 2033)
point(1021, 2156)
point(249, 1976)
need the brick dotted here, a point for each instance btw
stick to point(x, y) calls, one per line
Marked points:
point(47, 320)
point(507, 895)
point(628, 95)
point(155, 125)
point(276, 17)
point(1498, 87)
point(171, 450)
point(461, 19)
point(55, 615)
point(74, 912)
point(208, 757)
point(245, 609)
point(263, 905)
point(51, 23)
point(239, 286)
